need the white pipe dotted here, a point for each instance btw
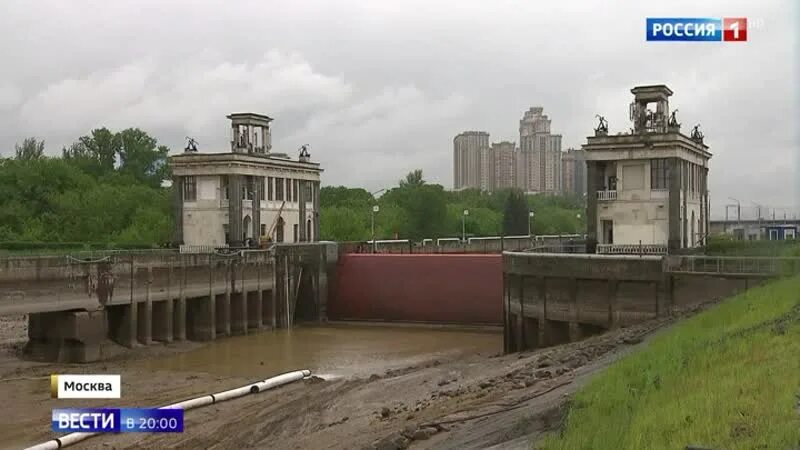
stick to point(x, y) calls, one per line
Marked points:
point(258, 386)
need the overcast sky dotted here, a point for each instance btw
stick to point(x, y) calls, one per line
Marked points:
point(378, 88)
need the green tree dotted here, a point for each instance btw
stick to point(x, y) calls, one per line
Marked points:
point(344, 196)
point(413, 179)
point(390, 221)
point(515, 216)
point(480, 221)
point(30, 149)
point(141, 157)
point(95, 153)
point(341, 223)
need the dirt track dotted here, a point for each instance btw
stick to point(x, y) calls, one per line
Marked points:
point(469, 402)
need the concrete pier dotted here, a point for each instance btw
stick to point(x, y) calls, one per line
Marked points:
point(552, 299)
point(76, 309)
point(69, 336)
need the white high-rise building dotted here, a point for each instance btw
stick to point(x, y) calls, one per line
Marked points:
point(540, 159)
point(469, 151)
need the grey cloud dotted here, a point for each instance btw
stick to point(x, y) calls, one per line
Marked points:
point(380, 88)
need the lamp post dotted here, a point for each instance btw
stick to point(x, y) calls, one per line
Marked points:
point(530, 219)
point(375, 209)
point(464, 225)
point(578, 224)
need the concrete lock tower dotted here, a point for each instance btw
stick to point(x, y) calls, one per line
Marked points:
point(247, 196)
point(647, 188)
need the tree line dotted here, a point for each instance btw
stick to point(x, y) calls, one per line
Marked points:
point(103, 188)
point(415, 210)
point(106, 188)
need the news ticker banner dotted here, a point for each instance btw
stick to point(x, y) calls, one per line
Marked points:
point(85, 386)
point(727, 29)
point(117, 420)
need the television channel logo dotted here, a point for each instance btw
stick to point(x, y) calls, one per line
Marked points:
point(728, 29)
point(117, 420)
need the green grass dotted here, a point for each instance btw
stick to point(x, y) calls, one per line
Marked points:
point(726, 378)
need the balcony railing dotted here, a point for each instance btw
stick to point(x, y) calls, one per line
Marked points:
point(201, 249)
point(606, 195)
point(632, 249)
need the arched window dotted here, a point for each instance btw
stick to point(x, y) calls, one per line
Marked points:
point(309, 237)
point(247, 228)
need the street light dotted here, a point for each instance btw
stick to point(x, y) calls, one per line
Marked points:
point(375, 209)
point(578, 216)
point(530, 219)
point(464, 226)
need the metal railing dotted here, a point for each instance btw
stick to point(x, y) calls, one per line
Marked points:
point(632, 249)
point(734, 265)
point(606, 195)
point(201, 249)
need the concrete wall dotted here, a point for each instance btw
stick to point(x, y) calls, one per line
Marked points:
point(462, 289)
point(551, 299)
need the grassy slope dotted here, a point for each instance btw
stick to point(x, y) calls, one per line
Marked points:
point(727, 378)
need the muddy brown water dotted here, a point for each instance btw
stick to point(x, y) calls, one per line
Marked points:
point(331, 350)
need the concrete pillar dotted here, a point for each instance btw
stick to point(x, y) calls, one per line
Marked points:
point(686, 239)
point(162, 313)
point(506, 312)
point(255, 309)
point(238, 309)
point(224, 305)
point(664, 293)
point(238, 304)
point(707, 217)
point(593, 180)
point(132, 313)
point(255, 301)
point(613, 312)
point(177, 186)
point(575, 332)
point(235, 210)
point(519, 326)
point(674, 206)
point(223, 311)
point(258, 192)
point(204, 323)
point(274, 293)
point(179, 312)
point(146, 313)
point(315, 195)
point(542, 312)
point(301, 215)
point(162, 320)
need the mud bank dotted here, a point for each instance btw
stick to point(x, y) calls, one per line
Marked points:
point(455, 401)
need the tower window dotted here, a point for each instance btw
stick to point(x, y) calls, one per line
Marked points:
point(189, 189)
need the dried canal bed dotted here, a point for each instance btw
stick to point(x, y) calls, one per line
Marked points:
point(457, 395)
point(345, 350)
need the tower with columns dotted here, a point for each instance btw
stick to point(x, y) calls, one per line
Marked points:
point(648, 187)
point(248, 194)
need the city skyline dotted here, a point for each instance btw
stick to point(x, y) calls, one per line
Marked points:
point(331, 83)
point(533, 167)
